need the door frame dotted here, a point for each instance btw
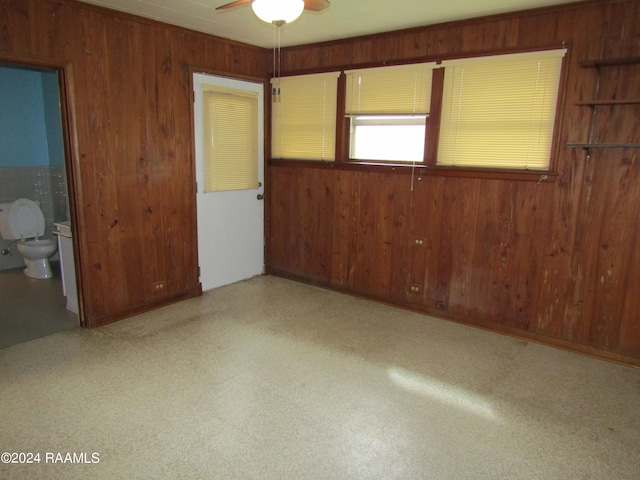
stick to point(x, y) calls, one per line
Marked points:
point(71, 153)
point(193, 69)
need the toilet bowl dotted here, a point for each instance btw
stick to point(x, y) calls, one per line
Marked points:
point(36, 255)
point(23, 220)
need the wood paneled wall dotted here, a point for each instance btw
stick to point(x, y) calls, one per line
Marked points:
point(556, 261)
point(130, 141)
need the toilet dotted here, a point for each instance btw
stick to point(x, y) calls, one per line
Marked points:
point(23, 221)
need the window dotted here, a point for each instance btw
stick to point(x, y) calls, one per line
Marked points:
point(491, 112)
point(396, 138)
point(230, 138)
point(499, 111)
point(388, 109)
point(304, 117)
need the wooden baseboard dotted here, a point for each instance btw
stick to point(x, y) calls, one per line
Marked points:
point(106, 320)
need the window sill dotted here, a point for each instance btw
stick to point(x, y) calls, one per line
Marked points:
point(539, 176)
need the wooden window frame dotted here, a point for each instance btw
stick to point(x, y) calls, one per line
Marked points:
point(429, 166)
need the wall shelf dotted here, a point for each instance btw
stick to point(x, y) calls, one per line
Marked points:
point(588, 146)
point(610, 62)
point(598, 64)
point(592, 103)
point(603, 145)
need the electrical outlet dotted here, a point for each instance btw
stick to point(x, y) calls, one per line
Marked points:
point(419, 242)
point(415, 289)
point(158, 285)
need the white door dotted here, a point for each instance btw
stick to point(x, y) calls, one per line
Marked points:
point(230, 223)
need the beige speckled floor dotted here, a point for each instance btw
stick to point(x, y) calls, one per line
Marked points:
point(270, 379)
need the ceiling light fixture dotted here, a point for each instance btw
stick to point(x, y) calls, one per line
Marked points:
point(278, 12)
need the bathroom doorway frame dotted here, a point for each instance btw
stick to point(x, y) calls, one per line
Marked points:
point(71, 155)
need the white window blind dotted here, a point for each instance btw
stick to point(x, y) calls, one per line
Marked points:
point(499, 111)
point(395, 90)
point(230, 139)
point(304, 117)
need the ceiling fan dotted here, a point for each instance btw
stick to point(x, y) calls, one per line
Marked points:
point(279, 12)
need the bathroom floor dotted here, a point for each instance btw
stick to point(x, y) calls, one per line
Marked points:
point(32, 308)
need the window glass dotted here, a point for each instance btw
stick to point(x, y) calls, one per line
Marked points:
point(230, 139)
point(388, 107)
point(391, 138)
point(500, 111)
point(304, 117)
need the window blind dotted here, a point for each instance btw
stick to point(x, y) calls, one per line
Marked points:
point(394, 90)
point(230, 139)
point(304, 117)
point(499, 111)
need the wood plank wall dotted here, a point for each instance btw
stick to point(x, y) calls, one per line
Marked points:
point(558, 261)
point(134, 182)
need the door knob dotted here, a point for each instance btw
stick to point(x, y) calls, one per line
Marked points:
point(260, 196)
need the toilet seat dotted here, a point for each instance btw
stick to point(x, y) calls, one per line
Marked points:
point(26, 219)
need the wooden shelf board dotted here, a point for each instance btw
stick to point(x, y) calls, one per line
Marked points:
point(603, 145)
point(591, 103)
point(610, 62)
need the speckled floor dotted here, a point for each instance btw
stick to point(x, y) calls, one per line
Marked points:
point(271, 379)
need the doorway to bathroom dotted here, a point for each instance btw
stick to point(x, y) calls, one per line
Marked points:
point(33, 165)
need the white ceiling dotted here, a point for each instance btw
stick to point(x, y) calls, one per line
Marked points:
point(343, 19)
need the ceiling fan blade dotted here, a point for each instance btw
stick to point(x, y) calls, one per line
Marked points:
point(316, 5)
point(233, 4)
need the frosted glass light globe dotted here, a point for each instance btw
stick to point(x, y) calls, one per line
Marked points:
point(278, 11)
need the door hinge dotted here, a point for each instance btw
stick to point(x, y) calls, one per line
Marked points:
point(198, 272)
